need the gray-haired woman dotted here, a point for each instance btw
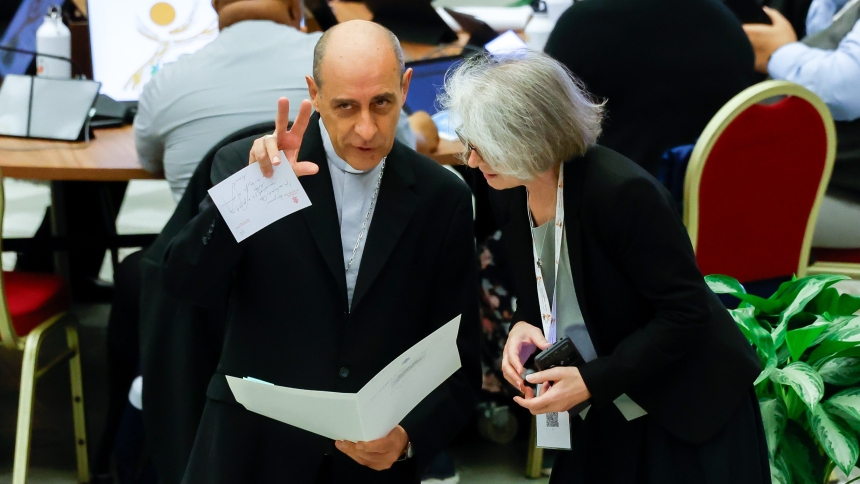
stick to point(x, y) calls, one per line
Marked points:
point(599, 254)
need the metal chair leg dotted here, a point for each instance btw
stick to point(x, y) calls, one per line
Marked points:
point(78, 404)
point(24, 429)
point(534, 460)
point(30, 373)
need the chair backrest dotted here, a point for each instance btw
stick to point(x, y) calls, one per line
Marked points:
point(755, 181)
point(8, 337)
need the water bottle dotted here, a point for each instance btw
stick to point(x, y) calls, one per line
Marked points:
point(53, 38)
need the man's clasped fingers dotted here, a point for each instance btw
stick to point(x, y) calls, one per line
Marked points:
point(368, 459)
point(378, 454)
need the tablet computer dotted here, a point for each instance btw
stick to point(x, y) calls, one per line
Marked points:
point(41, 107)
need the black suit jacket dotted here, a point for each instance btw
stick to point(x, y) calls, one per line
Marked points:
point(664, 66)
point(289, 323)
point(661, 335)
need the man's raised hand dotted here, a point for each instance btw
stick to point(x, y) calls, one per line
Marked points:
point(265, 150)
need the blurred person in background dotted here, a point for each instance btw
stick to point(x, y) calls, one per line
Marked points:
point(827, 62)
point(664, 67)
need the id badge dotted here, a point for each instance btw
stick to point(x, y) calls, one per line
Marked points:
point(553, 430)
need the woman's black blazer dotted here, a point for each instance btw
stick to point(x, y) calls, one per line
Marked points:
point(661, 335)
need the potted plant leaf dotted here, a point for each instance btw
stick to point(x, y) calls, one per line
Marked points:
point(808, 339)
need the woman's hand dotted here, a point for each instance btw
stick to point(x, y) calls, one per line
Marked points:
point(522, 341)
point(567, 391)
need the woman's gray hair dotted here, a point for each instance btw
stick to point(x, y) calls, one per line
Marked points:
point(523, 111)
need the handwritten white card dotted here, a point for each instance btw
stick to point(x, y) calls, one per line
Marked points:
point(376, 409)
point(249, 202)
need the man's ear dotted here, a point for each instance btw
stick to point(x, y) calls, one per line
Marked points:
point(404, 83)
point(313, 92)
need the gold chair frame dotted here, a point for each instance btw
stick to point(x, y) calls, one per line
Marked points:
point(31, 372)
point(849, 269)
point(738, 104)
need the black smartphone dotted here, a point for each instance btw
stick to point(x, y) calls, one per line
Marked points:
point(561, 353)
point(748, 11)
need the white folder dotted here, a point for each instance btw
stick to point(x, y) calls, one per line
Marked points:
point(376, 409)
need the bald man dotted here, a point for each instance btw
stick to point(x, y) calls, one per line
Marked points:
point(325, 298)
point(192, 104)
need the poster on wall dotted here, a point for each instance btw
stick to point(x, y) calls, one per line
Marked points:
point(133, 39)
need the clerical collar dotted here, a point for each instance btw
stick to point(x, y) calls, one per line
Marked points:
point(331, 154)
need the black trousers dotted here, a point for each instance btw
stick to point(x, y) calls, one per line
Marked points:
point(324, 476)
point(123, 352)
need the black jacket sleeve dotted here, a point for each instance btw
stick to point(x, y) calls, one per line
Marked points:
point(440, 416)
point(642, 230)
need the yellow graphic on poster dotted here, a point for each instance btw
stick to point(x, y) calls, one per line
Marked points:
point(131, 44)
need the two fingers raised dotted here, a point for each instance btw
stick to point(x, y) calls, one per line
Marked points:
point(266, 150)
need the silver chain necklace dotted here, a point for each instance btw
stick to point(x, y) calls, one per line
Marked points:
point(367, 216)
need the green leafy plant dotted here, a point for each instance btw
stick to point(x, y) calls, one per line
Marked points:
point(807, 337)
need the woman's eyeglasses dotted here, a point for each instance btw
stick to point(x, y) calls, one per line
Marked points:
point(464, 157)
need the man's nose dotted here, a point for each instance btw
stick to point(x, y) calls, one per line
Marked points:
point(366, 126)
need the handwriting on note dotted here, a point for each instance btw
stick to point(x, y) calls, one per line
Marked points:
point(249, 202)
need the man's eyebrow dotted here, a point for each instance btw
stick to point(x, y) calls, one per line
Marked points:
point(388, 96)
point(339, 100)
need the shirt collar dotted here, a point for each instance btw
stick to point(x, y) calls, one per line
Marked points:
point(331, 155)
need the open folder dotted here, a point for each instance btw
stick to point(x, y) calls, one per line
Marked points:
point(376, 409)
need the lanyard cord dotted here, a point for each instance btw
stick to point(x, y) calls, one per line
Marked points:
point(548, 313)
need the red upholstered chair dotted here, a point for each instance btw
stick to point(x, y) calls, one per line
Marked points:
point(755, 181)
point(31, 307)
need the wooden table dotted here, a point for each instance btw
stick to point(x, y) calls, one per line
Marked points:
point(109, 157)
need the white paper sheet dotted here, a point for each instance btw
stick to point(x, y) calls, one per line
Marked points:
point(500, 18)
point(377, 408)
point(249, 202)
